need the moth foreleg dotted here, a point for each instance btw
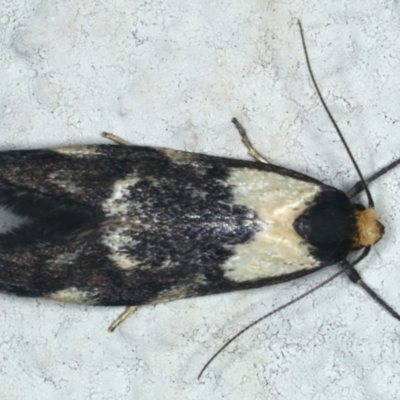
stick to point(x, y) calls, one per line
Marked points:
point(129, 310)
point(246, 141)
point(115, 139)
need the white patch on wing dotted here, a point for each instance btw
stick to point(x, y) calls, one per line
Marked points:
point(118, 204)
point(117, 240)
point(65, 180)
point(73, 295)
point(77, 151)
point(63, 259)
point(117, 207)
point(180, 157)
point(277, 249)
point(174, 293)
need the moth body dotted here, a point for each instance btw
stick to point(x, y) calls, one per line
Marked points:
point(129, 225)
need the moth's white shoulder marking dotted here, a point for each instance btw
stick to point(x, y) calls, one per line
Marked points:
point(72, 295)
point(277, 249)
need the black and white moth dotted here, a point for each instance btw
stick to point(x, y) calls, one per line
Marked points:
point(128, 225)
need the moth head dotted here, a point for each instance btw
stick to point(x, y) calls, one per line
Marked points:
point(369, 229)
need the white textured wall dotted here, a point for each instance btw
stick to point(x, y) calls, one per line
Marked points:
point(173, 73)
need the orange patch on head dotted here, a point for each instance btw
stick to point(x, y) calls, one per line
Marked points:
point(369, 229)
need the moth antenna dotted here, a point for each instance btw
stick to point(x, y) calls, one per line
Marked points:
point(346, 267)
point(362, 180)
point(280, 308)
point(358, 187)
point(362, 185)
point(356, 278)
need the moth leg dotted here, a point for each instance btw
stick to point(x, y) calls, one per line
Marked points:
point(129, 310)
point(115, 139)
point(246, 141)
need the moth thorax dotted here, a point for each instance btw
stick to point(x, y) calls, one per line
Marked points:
point(369, 229)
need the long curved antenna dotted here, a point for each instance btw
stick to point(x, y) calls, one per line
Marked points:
point(364, 184)
point(347, 268)
point(356, 278)
point(280, 308)
point(358, 187)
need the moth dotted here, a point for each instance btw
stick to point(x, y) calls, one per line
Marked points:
point(128, 225)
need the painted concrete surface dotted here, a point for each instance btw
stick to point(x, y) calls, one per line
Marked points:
point(173, 74)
